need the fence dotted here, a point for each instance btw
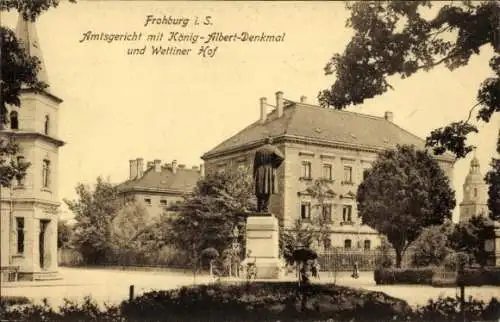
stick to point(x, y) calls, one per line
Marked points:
point(368, 260)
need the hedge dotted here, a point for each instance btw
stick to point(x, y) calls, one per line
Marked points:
point(403, 276)
point(481, 276)
point(429, 276)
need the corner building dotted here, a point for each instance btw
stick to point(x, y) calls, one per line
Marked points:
point(28, 207)
point(318, 143)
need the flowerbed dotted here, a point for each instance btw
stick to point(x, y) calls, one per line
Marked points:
point(258, 302)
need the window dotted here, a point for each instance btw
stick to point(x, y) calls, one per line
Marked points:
point(20, 235)
point(367, 244)
point(46, 125)
point(306, 170)
point(20, 162)
point(347, 244)
point(163, 203)
point(305, 210)
point(327, 171)
point(14, 120)
point(147, 201)
point(46, 174)
point(475, 192)
point(327, 212)
point(327, 242)
point(347, 174)
point(347, 213)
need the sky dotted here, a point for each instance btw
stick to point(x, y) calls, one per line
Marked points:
point(119, 107)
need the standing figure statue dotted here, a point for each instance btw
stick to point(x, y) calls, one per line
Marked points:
point(267, 159)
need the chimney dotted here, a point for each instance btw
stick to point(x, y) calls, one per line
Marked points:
point(140, 167)
point(202, 170)
point(157, 165)
point(174, 166)
point(303, 99)
point(388, 116)
point(150, 165)
point(263, 110)
point(133, 169)
point(279, 103)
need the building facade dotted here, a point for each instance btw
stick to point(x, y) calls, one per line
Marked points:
point(475, 193)
point(318, 143)
point(29, 206)
point(157, 186)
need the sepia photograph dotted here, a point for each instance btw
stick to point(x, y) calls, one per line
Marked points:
point(249, 160)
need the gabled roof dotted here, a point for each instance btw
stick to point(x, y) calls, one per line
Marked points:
point(182, 181)
point(316, 123)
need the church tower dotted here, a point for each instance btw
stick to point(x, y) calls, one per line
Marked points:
point(29, 207)
point(475, 193)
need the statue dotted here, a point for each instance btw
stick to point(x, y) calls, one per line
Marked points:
point(267, 159)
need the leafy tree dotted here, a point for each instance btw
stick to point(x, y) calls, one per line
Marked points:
point(404, 192)
point(94, 212)
point(317, 228)
point(18, 70)
point(493, 180)
point(470, 236)
point(431, 247)
point(128, 239)
point(64, 233)
point(394, 38)
point(207, 217)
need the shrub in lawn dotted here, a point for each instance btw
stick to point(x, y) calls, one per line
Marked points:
point(481, 276)
point(403, 276)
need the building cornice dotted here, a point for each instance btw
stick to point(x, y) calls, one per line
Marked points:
point(287, 138)
point(32, 134)
point(154, 190)
point(31, 201)
point(43, 93)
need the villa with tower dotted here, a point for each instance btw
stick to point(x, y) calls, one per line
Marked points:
point(29, 206)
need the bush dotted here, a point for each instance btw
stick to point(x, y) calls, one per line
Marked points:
point(403, 276)
point(430, 248)
point(13, 300)
point(481, 276)
point(448, 309)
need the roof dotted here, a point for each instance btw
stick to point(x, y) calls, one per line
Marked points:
point(316, 123)
point(182, 181)
point(27, 35)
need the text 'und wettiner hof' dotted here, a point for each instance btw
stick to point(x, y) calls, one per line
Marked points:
point(208, 41)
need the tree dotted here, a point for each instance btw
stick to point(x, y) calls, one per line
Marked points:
point(129, 240)
point(469, 237)
point(404, 192)
point(207, 217)
point(393, 38)
point(18, 71)
point(431, 247)
point(94, 212)
point(493, 180)
point(64, 233)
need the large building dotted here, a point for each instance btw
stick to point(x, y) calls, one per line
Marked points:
point(29, 207)
point(157, 186)
point(318, 143)
point(475, 193)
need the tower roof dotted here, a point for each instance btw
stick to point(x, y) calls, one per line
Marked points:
point(474, 176)
point(28, 37)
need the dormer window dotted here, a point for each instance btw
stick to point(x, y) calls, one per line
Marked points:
point(46, 125)
point(14, 120)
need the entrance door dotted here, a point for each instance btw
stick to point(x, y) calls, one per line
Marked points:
point(41, 242)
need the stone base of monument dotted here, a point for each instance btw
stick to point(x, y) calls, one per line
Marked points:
point(262, 245)
point(492, 246)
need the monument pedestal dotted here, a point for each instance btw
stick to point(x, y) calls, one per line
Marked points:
point(262, 245)
point(493, 246)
